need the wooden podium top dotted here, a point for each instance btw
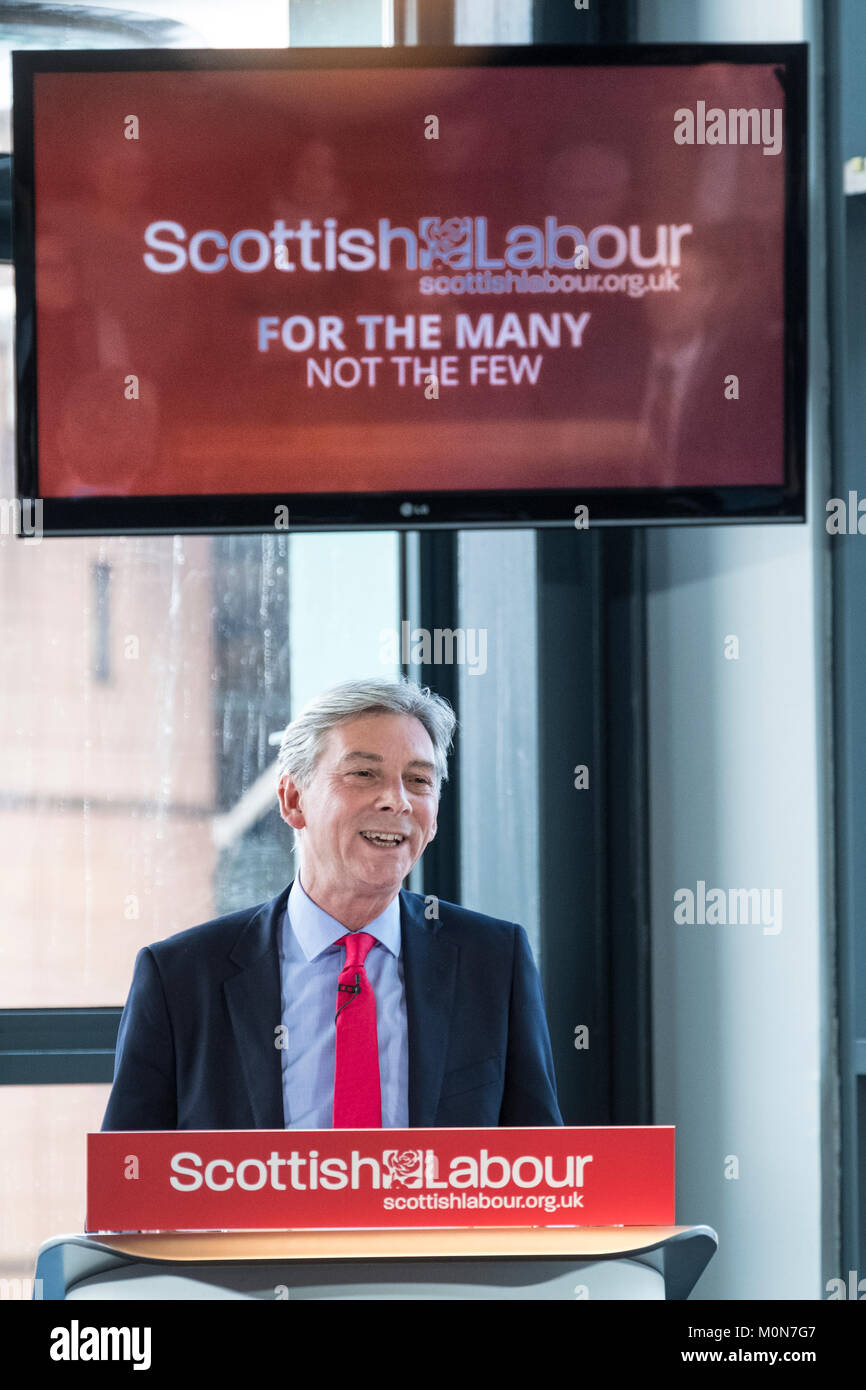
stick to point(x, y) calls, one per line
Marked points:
point(573, 1242)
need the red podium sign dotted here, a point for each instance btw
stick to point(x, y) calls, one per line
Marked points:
point(264, 1180)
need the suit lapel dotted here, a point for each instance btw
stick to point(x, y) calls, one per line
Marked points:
point(430, 973)
point(254, 1001)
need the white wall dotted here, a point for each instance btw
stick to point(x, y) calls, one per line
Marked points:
point(739, 781)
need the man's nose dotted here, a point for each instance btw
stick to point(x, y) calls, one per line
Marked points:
point(392, 795)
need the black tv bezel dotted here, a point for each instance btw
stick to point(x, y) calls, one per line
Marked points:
point(246, 512)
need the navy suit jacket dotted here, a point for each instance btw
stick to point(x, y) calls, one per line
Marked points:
point(197, 1047)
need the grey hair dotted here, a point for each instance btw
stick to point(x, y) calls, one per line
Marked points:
point(304, 737)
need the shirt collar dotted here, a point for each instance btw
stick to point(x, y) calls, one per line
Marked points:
point(315, 930)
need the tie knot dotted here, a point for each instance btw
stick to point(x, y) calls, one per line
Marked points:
point(357, 944)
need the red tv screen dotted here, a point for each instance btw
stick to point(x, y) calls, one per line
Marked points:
point(489, 279)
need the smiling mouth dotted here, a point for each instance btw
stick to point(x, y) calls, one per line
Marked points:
point(382, 839)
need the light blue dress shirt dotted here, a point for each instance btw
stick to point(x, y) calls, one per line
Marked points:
point(310, 965)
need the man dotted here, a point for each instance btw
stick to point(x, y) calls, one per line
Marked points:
point(345, 1001)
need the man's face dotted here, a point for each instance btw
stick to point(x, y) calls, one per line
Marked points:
point(375, 777)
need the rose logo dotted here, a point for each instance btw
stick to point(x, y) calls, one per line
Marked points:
point(403, 1166)
point(448, 242)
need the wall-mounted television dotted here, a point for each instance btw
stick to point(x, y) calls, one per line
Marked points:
point(378, 288)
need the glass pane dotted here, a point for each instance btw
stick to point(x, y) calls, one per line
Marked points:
point(344, 605)
point(145, 681)
point(489, 21)
point(42, 1172)
point(499, 719)
point(347, 23)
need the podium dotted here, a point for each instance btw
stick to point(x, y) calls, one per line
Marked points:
point(507, 1213)
point(572, 1264)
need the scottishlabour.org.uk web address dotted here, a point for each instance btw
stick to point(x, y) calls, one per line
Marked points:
point(633, 283)
point(481, 1201)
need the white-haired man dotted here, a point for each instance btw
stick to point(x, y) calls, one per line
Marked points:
point(345, 1001)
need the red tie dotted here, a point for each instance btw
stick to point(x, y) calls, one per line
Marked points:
point(357, 1094)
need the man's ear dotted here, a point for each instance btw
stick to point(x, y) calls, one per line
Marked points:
point(289, 796)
